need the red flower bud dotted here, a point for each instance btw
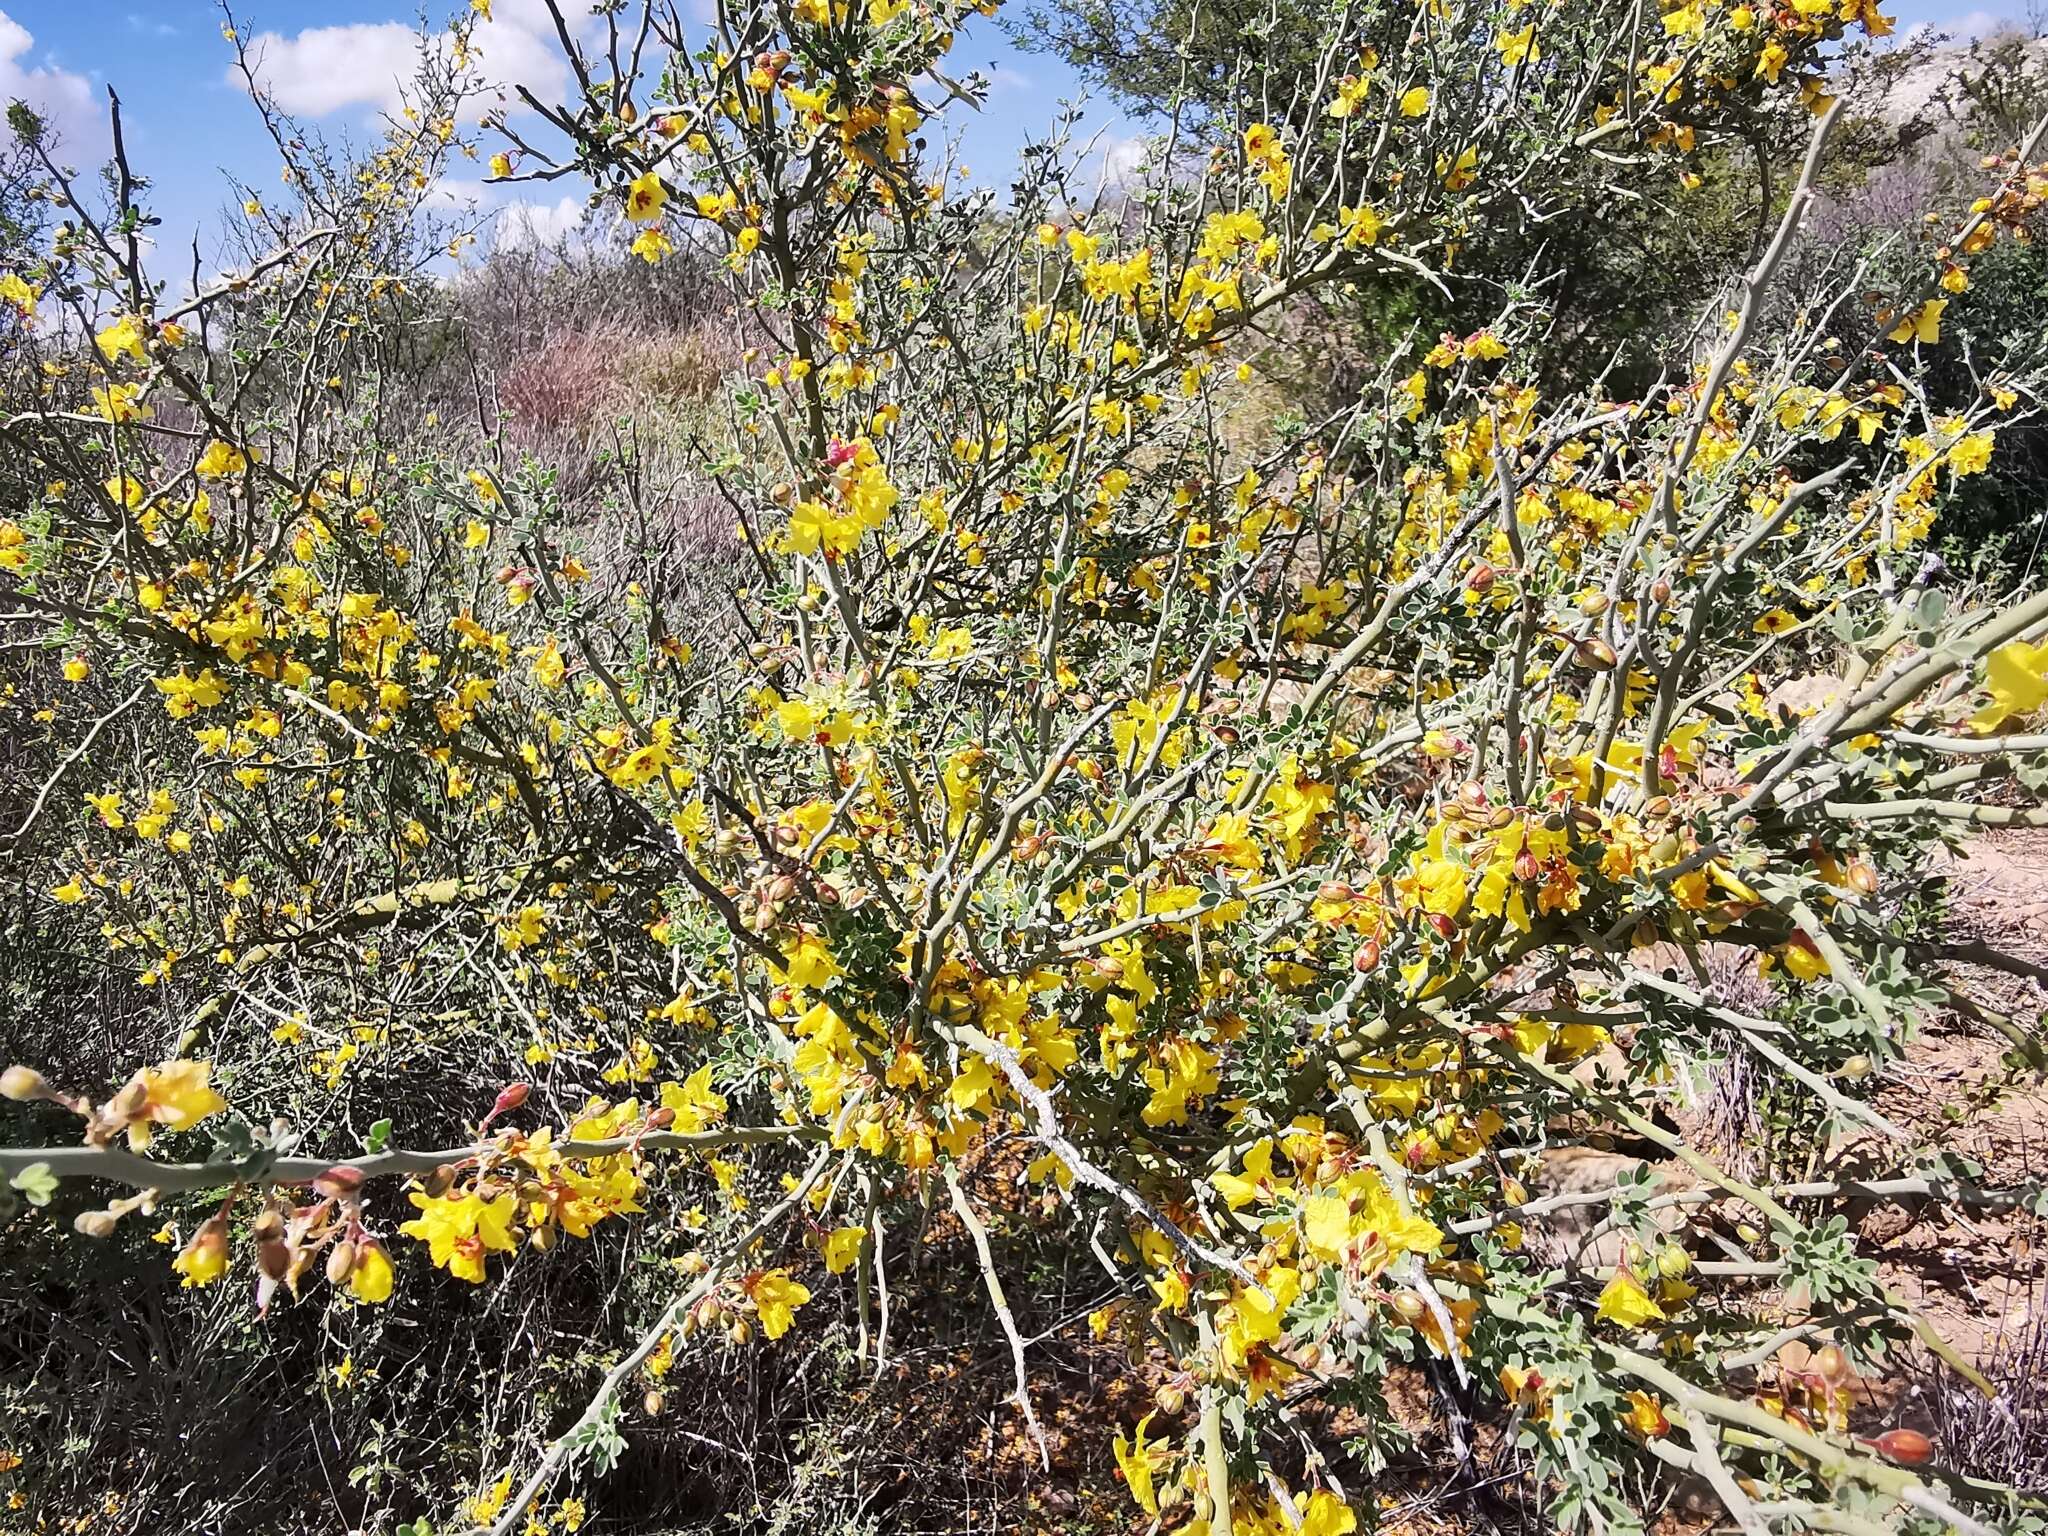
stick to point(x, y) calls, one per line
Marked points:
point(1907, 1447)
point(510, 1097)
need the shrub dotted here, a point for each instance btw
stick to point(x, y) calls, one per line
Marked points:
point(1223, 858)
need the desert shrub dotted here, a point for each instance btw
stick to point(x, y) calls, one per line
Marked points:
point(1077, 822)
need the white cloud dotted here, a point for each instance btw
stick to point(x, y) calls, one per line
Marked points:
point(536, 226)
point(370, 64)
point(63, 99)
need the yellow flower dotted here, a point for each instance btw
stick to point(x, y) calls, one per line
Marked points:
point(2017, 675)
point(484, 1508)
point(695, 1103)
point(123, 336)
point(1415, 101)
point(1518, 47)
point(1134, 1459)
point(460, 1229)
point(70, 892)
point(1624, 1301)
point(21, 294)
point(1646, 1416)
point(1923, 324)
point(1776, 622)
point(776, 1297)
point(842, 1248)
point(644, 199)
point(204, 1259)
point(177, 1095)
point(370, 1280)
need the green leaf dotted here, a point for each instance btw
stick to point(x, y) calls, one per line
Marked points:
point(37, 1183)
point(379, 1137)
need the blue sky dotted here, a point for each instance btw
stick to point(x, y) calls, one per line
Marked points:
point(335, 62)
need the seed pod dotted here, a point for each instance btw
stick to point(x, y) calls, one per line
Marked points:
point(1907, 1447)
point(22, 1084)
point(1833, 1364)
point(339, 1183)
point(1594, 655)
point(274, 1259)
point(341, 1262)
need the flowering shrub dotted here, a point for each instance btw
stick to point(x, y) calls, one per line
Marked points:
point(1279, 828)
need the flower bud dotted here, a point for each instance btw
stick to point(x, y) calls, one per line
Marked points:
point(1660, 591)
point(341, 1262)
point(339, 1183)
point(652, 1404)
point(439, 1181)
point(661, 1119)
point(268, 1227)
point(740, 1330)
point(22, 1084)
point(95, 1224)
point(1593, 604)
point(510, 1097)
point(1334, 890)
point(1907, 1447)
point(1479, 578)
point(1368, 957)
